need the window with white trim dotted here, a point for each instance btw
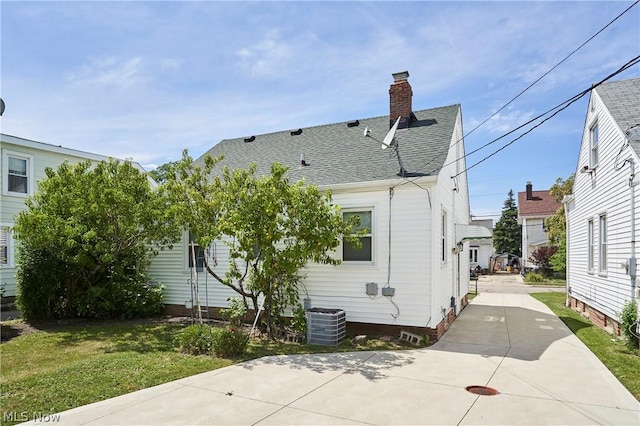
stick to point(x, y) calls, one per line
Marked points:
point(196, 252)
point(473, 254)
point(594, 137)
point(590, 245)
point(351, 253)
point(602, 243)
point(443, 236)
point(18, 173)
point(6, 247)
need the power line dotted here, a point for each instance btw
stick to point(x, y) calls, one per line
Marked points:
point(561, 107)
point(553, 68)
point(534, 83)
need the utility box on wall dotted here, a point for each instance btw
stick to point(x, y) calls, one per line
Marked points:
point(326, 326)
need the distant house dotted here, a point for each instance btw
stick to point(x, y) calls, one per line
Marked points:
point(23, 164)
point(418, 216)
point(533, 208)
point(603, 213)
point(481, 249)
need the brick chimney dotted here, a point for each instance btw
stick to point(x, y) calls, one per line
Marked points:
point(529, 191)
point(400, 95)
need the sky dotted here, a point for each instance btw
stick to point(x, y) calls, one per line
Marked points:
point(145, 80)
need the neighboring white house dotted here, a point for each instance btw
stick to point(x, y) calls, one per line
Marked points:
point(23, 164)
point(419, 222)
point(533, 208)
point(603, 224)
point(481, 250)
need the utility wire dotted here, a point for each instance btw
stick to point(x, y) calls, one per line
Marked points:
point(553, 68)
point(561, 107)
point(536, 81)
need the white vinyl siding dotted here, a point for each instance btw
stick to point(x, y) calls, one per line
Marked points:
point(343, 286)
point(599, 218)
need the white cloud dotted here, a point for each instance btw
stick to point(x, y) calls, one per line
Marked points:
point(111, 72)
point(267, 57)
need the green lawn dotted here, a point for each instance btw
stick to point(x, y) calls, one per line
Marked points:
point(622, 362)
point(56, 369)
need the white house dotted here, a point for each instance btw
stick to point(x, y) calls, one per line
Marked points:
point(481, 249)
point(23, 164)
point(533, 208)
point(603, 226)
point(418, 216)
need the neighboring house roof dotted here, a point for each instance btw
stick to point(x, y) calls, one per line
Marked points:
point(622, 99)
point(541, 204)
point(59, 149)
point(340, 153)
point(487, 223)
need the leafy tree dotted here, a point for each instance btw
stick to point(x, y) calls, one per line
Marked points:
point(542, 257)
point(556, 225)
point(161, 173)
point(507, 234)
point(271, 227)
point(85, 241)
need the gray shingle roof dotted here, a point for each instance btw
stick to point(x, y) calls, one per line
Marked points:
point(339, 154)
point(622, 99)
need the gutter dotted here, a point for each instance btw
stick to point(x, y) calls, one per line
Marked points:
point(377, 184)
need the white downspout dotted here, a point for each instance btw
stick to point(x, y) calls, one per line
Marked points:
point(632, 223)
point(633, 274)
point(567, 302)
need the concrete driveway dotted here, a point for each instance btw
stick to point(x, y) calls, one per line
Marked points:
point(503, 282)
point(509, 342)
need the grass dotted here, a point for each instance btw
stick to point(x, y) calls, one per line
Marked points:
point(614, 354)
point(54, 370)
point(540, 280)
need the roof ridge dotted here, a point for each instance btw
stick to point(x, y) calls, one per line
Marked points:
point(318, 126)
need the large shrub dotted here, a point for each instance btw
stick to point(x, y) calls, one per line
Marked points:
point(231, 340)
point(196, 339)
point(86, 240)
point(628, 321)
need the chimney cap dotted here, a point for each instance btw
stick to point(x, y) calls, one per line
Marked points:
point(400, 76)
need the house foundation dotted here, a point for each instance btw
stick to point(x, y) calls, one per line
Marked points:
point(595, 316)
point(353, 328)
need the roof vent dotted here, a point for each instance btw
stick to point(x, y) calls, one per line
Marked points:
point(355, 123)
point(303, 162)
point(296, 132)
point(251, 139)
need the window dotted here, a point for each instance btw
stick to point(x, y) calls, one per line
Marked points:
point(364, 253)
point(443, 237)
point(593, 140)
point(473, 254)
point(602, 248)
point(6, 247)
point(590, 245)
point(19, 173)
point(197, 252)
